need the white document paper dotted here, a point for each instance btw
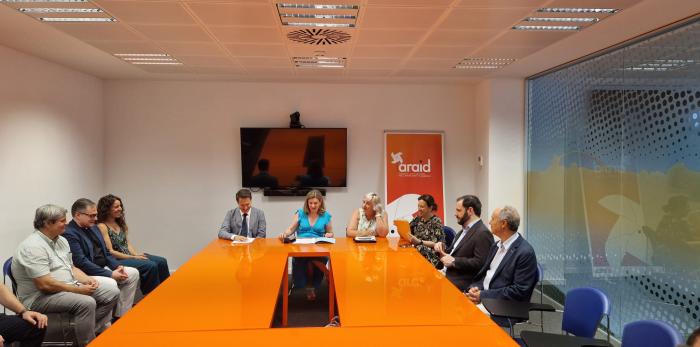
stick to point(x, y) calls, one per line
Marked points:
point(313, 240)
point(246, 241)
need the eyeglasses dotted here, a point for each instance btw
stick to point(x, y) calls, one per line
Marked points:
point(92, 215)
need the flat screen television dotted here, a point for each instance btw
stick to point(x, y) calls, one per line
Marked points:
point(294, 157)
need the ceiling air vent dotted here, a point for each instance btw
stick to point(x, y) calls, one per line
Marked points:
point(319, 36)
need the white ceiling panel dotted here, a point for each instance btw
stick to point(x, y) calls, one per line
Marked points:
point(401, 17)
point(234, 14)
point(147, 12)
point(247, 35)
point(173, 33)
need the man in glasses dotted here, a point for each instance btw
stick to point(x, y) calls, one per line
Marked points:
point(90, 255)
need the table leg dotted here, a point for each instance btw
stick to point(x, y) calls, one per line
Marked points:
point(285, 292)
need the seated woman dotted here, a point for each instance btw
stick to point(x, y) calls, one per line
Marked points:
point(311, 221)
point(153, 269)
point(426, 229)
point(369, 220)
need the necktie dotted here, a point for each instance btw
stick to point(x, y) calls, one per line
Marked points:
point(244, 225)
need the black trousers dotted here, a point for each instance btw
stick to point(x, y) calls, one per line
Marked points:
point(14, 328)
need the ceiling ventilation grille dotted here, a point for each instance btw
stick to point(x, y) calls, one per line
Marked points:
point(319, 36)
point(483, 63)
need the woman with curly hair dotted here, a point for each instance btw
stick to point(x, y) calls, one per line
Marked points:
point(153, 269)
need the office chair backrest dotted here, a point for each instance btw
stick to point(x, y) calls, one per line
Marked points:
point(650, 333)
point(449, 236)
point(7, 272)
point(583, 310)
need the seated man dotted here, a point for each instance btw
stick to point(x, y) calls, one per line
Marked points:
point(510, 271)
point(47, 281)
point(91, 256)
point(243, 221)
point(27, 327)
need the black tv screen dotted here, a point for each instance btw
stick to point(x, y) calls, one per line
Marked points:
point(285, 158)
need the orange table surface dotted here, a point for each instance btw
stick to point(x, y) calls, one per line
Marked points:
point(229, 291)
point(304, 337)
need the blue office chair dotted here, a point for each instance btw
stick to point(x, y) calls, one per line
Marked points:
point(650, 333)
point(65, 320)
point(584, 309)
point(449, 236)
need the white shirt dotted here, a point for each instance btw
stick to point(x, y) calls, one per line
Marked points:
point(461, 236)
point(503, 247)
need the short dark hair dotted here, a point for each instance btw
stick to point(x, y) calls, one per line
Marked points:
point(471, 201)
point(244, 194)
point(429, 200)
point(263, 164)
point(693, 337)
point(80, 205)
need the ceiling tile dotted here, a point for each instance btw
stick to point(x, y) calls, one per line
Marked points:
point(205, 60)
point(271, 72)
point(265, 62)
point(530, 38)
point(377, 51)
point(443, 52)
point(147, 12)
point(460, 37)
point(97, 31)
point(313, 50)
point(594, 3)
point(235, 14)
point(421, 3)
point(164, 68)
point(247, 50)
point(311, 72)
point(176, 33)
point(392, 17)
point(373, 63)
point(478, 18)
point(500, 3)
point(514, 52)
point(126, 46)
point(389, 37)
point(431, 63)
point(367, 73)
point(219, 70)
point(247, 35)
point(191, 48)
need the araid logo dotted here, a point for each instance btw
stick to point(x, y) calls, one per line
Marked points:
point(410, 168)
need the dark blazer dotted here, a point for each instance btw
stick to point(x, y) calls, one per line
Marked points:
point(515, 277)
point(81, 247)
point(470, 255)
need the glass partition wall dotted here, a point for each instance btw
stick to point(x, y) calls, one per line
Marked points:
point(613, 177)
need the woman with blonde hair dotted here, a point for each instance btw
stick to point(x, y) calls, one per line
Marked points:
point(310, 221)
point(368, 220)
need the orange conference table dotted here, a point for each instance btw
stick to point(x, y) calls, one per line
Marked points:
point(228, 293)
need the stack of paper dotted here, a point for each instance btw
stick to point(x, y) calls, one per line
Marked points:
point(247, 240)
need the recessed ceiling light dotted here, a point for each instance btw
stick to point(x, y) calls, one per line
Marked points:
point(141, 55)
point(157, 63)
point(546, 27)
point(483, 63)
point(319, 62)
point(148, 59)
point(77, 19)
point(476, 66)
point(561, 19)
point(59, 10)
point(317, 16)
point(319, 6)
point(319, 25)
point(577, 10)
point(51, 1)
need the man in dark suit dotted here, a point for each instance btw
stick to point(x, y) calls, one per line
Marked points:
point(244, 221)
point(510, 272)
point(466, 256)
point(91, 256)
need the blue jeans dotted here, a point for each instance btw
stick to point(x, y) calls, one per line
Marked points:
point(152, 271)
point(300, 275)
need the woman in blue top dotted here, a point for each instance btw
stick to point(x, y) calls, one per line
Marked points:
point(311, 221)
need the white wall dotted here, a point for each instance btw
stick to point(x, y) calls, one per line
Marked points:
point(500, 114)
point(50, 141)
point(173, 149)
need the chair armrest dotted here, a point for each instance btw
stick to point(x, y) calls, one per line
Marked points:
point(542, 307)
